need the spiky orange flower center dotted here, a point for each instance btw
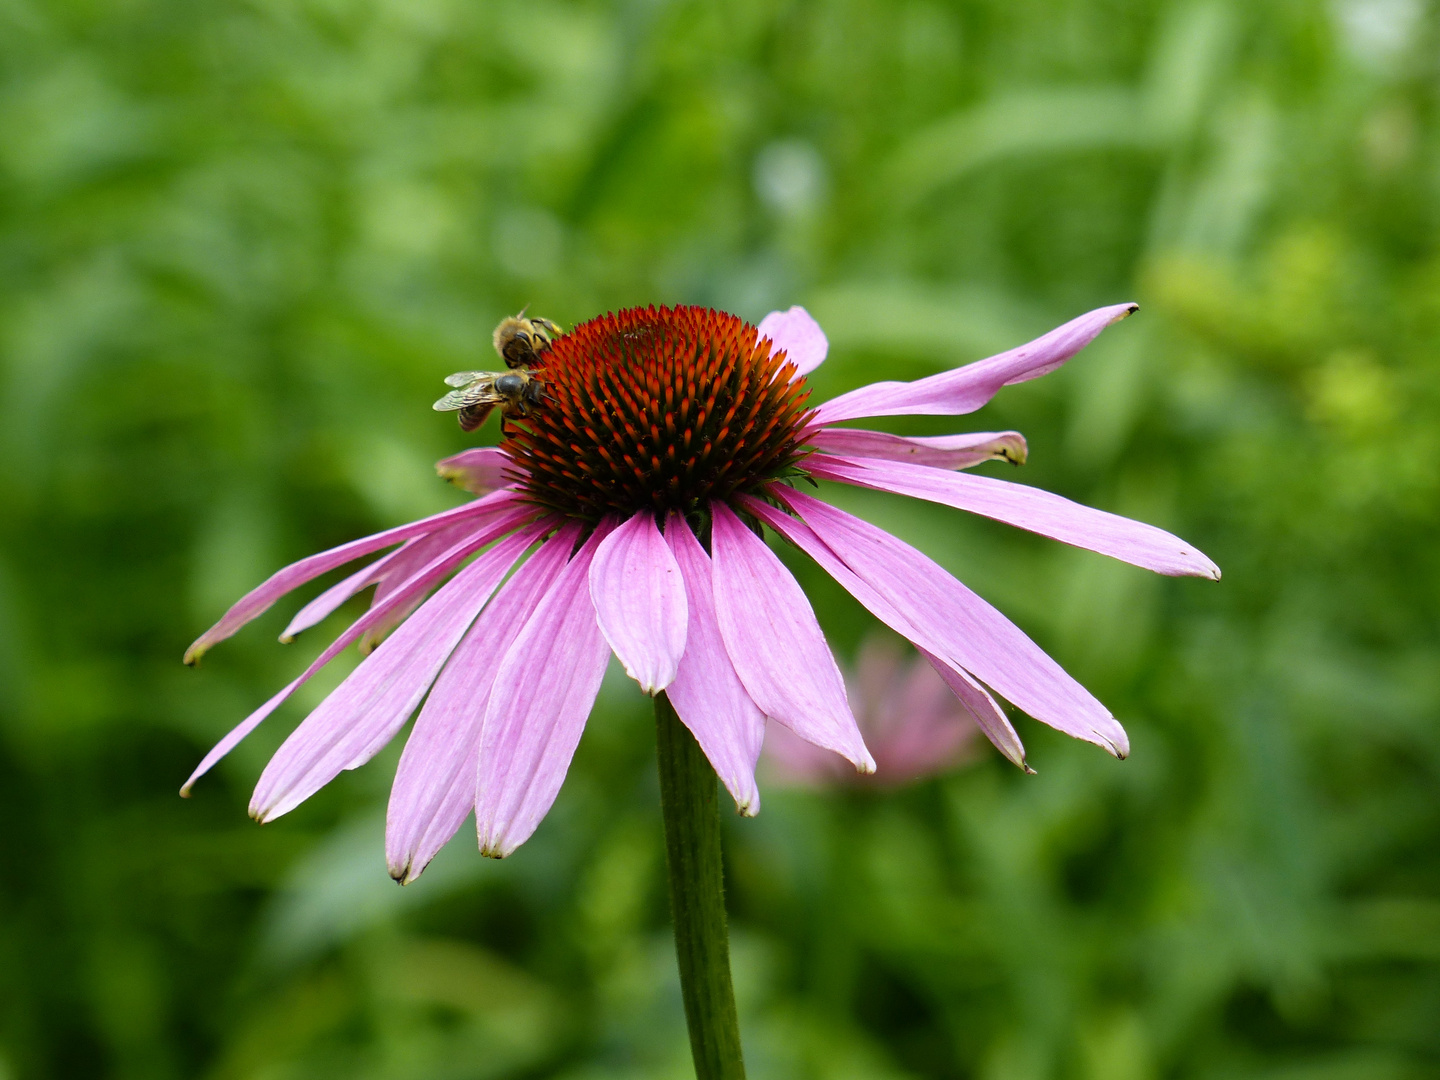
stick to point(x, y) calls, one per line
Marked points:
point(658, 408)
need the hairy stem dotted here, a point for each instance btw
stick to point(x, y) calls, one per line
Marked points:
point(689, 801)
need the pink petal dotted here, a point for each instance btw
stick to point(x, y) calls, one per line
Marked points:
point(415, 554)
point(932, 641)
point(481, 470)
point(953, 622)
point(775, 643)
point(968, 631)
point(1026, 507)
point(544, 690)
point(952, 393)
point(434, 786)
point(365, 711)
point(941, 452)
point(799, 335)
point(259, 599)
point(390, 572)
point(415, 587)
point(707, 694)
point(640, 601)
point(317, 610)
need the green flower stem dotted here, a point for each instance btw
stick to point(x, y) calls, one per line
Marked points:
point(689, 801)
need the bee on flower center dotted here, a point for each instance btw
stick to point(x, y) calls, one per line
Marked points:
point(521, 343)
point(516, 392)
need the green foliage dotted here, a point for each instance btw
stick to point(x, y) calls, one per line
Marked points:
point(242, 242)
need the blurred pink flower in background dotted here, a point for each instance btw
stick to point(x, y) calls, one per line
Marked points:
point(912, 723)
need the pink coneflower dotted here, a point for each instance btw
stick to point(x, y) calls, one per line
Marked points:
point(912, 724)
point(666, 440)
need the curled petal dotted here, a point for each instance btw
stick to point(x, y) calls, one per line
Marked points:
point(480, 470)
point(953, 393)
point(543, 693)
point(940, 452)
point(414, 588)
point(775, 642)
point(639, 601)
point(1026, 507)
point(434, 786)
point(799, 335)
point(953, 623)
point(259, 599)
point(363, 713)
point(707, 694)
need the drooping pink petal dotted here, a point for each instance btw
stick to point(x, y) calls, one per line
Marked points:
point(365, 711)
point(799, 335)
point(1026, 507)
point(319, 609)
point(415, 587)
point(388, 574)
point(434, 786)
point(543, 693)
point(775, 642)
point(955, 624)
point(259, 599)
point(414, 555)
point(932, 641)
point(952, 393)
point(707, 694)
point(941, 451)
point(639, 601)
point(481, 470)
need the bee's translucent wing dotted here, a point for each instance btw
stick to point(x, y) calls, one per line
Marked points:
point(482, 393)
point(464, 378)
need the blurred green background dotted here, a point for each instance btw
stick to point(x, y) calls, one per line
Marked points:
point(242, 242)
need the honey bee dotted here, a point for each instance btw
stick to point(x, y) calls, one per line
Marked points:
point(521, 341)
point(478, 392)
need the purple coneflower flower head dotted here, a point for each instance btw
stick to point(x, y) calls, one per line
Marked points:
point(625, 514)
point(912, 723)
